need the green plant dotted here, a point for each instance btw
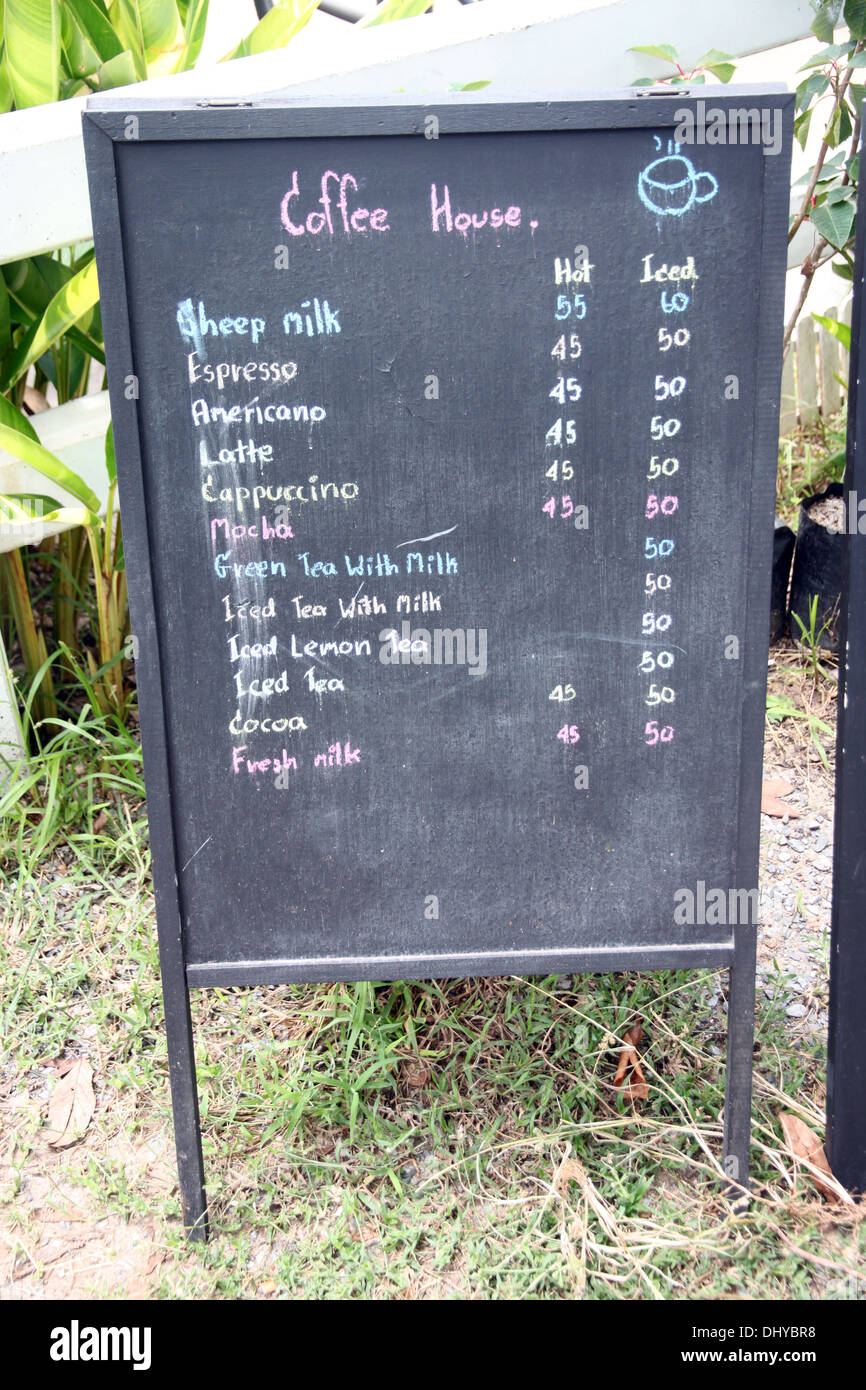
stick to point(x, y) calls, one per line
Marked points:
point(811, 634)
point(721, 65)
point(67, 599)
point(780, 707)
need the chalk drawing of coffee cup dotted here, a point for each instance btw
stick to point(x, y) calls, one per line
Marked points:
point(670, 186)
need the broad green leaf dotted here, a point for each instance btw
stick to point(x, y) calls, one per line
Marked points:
point(274, 31)
point(119, 71)
point(75, 299)
point(95, 26)
point(6, 97)
point(79, 55)
point(826, 18)
point(721, 65)
point(475, 86)
point(32, 35)
point(665, 51)
point(846, 125)
point(16, 514)
point(193, 34)
point(32, 283)
point(132, 35)
point(723, 71)
point(159, 24)
point(812, 87)
point(5, 320)
point(73, 87)
point(397, 9)
point(46, 463)
point(857, 60)
point(842, 193)
point(853, 167)
point(110, 460)
point(801, 131)
point(16, 420)
point(841, 331)
point(855, 18)
point(833, 223)
point(826, 55)
point(842, 269)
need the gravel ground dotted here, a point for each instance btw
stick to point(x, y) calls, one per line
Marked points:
point(797, 868)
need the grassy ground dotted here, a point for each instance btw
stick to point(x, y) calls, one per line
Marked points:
point(458, 1139)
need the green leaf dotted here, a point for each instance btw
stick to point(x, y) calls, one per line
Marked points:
point(846, 125)
point(853, 167)
point(5, 320)
point(193, 34)
point(842, 193)
point(6, 97)
point(475, 86)
point(826, 18)
point(274, 31)
point(723, 71)
point(833, 222)
point(855, 18)
point(16, 420)
point(836, 329)
point(132, 34)
point(857, 60)
point(72, 302)
point(49, 465)
point(32, 37)
point(159, 25)
point(814, 86)
point(110, 461)
point(94, 27)
point(397, 9)
point(119, 71)
point(721, 65)
point(825, 56)
point(801, 131)
point(842, 269)
point(665, 51)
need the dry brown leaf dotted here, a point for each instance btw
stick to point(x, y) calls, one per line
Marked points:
point(771, 790)
point(804, 1144)
point(266, 1289)
point(629, 1073)
point(60, 1065)
point(416, 1073)
point(100, 823)
point(71, 1106)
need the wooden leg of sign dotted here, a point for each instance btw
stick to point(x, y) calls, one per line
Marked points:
point(184, 1104)
point(738, 1082)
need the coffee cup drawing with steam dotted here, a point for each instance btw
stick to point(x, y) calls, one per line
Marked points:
point(670, 186)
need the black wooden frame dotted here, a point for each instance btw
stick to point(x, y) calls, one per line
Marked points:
point(111, 120)
point(846, 1041)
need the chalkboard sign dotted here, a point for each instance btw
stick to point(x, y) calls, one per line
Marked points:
point(446, 442)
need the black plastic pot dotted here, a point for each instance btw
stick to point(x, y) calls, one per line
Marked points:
point(783, 552)
point(817, 570)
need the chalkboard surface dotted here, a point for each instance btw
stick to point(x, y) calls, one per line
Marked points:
point(446, 457)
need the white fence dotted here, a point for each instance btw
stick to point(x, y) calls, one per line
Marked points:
point(815, 372)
